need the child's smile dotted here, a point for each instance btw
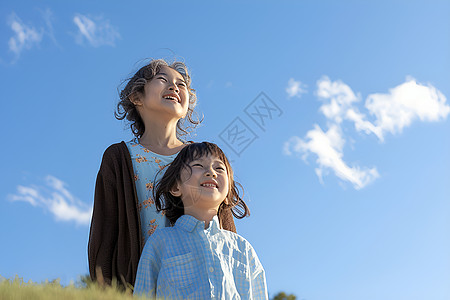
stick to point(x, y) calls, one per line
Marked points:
point(209, 184)
point(206, 186)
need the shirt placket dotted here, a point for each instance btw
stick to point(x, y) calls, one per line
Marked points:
point(212, 267)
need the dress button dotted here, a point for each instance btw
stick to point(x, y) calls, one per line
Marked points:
point(211, 269)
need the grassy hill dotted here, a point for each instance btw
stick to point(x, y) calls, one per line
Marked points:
point(17, 289)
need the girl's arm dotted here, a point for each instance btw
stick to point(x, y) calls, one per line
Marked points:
point(114, 241)
point(104, 228)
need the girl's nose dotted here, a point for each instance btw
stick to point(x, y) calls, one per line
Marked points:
point(174, 87)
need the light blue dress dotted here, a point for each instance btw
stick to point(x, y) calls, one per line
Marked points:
point(148, 167)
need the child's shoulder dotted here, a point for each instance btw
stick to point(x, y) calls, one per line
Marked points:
point(162, 237)
point(238, 247)
point(236, 238)
point(162, 234)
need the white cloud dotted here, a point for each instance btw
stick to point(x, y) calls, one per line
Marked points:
point(295, 88)
point(393, 111)
point(27, 194)
point(97, 32)
point(405, 103)
point(55, 198)
point(361, 124)
point(340, 97)
point(328, 147)
point(24, 36)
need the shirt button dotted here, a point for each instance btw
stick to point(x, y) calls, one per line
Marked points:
point(211, 269)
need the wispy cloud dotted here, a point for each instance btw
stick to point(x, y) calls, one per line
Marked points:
point(96, 31)
point(295, 88)
point(55, 198)
point(25, 37)
point(47, 15)
point(392, 112)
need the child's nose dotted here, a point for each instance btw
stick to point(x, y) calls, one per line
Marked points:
point(211, 172)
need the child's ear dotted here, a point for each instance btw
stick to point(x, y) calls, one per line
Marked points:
point(175, 190)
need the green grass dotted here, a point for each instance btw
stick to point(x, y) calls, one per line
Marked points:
point(16, 289)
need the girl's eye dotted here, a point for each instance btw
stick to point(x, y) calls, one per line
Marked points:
point(162, 78)
point(220, 168)
point(197, 165)
point(182, 84)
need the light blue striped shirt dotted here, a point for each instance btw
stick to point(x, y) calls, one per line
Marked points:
point(188, 261)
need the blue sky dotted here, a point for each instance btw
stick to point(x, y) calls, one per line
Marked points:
point(334, 113)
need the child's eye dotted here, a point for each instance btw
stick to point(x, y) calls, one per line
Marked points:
point(220, 168)
point(182, 84)
point(162, 78)
point(199, 165)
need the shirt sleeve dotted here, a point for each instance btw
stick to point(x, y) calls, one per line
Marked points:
point(258, 284)
point(147, 272)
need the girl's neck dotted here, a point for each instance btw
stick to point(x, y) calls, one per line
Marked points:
point(161, 137)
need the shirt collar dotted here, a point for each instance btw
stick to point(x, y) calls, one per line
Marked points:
point(189, 223)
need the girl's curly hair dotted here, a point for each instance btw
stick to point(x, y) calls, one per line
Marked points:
point(135, 87)
point(173, 206)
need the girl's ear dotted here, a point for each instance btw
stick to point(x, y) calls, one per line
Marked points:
point(135, 99)
point(175, 190)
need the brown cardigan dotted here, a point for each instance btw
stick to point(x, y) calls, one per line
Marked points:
point(115, 236)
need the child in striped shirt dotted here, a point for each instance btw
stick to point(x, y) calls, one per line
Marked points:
point(196, 258)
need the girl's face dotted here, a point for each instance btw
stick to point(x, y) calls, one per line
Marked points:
point(167, 93)
point(206, 187)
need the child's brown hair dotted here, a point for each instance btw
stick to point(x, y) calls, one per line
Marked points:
point(173, 206)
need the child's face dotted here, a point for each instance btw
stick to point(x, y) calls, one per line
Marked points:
point(166, 93)
point(206, 187)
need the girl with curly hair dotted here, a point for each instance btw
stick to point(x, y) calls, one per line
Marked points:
point(159, 102)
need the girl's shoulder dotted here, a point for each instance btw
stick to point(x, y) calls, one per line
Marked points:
point(115, 153)
point(116, 148)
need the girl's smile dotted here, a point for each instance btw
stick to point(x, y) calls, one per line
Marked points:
point(166, 87)
point(173, 97)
